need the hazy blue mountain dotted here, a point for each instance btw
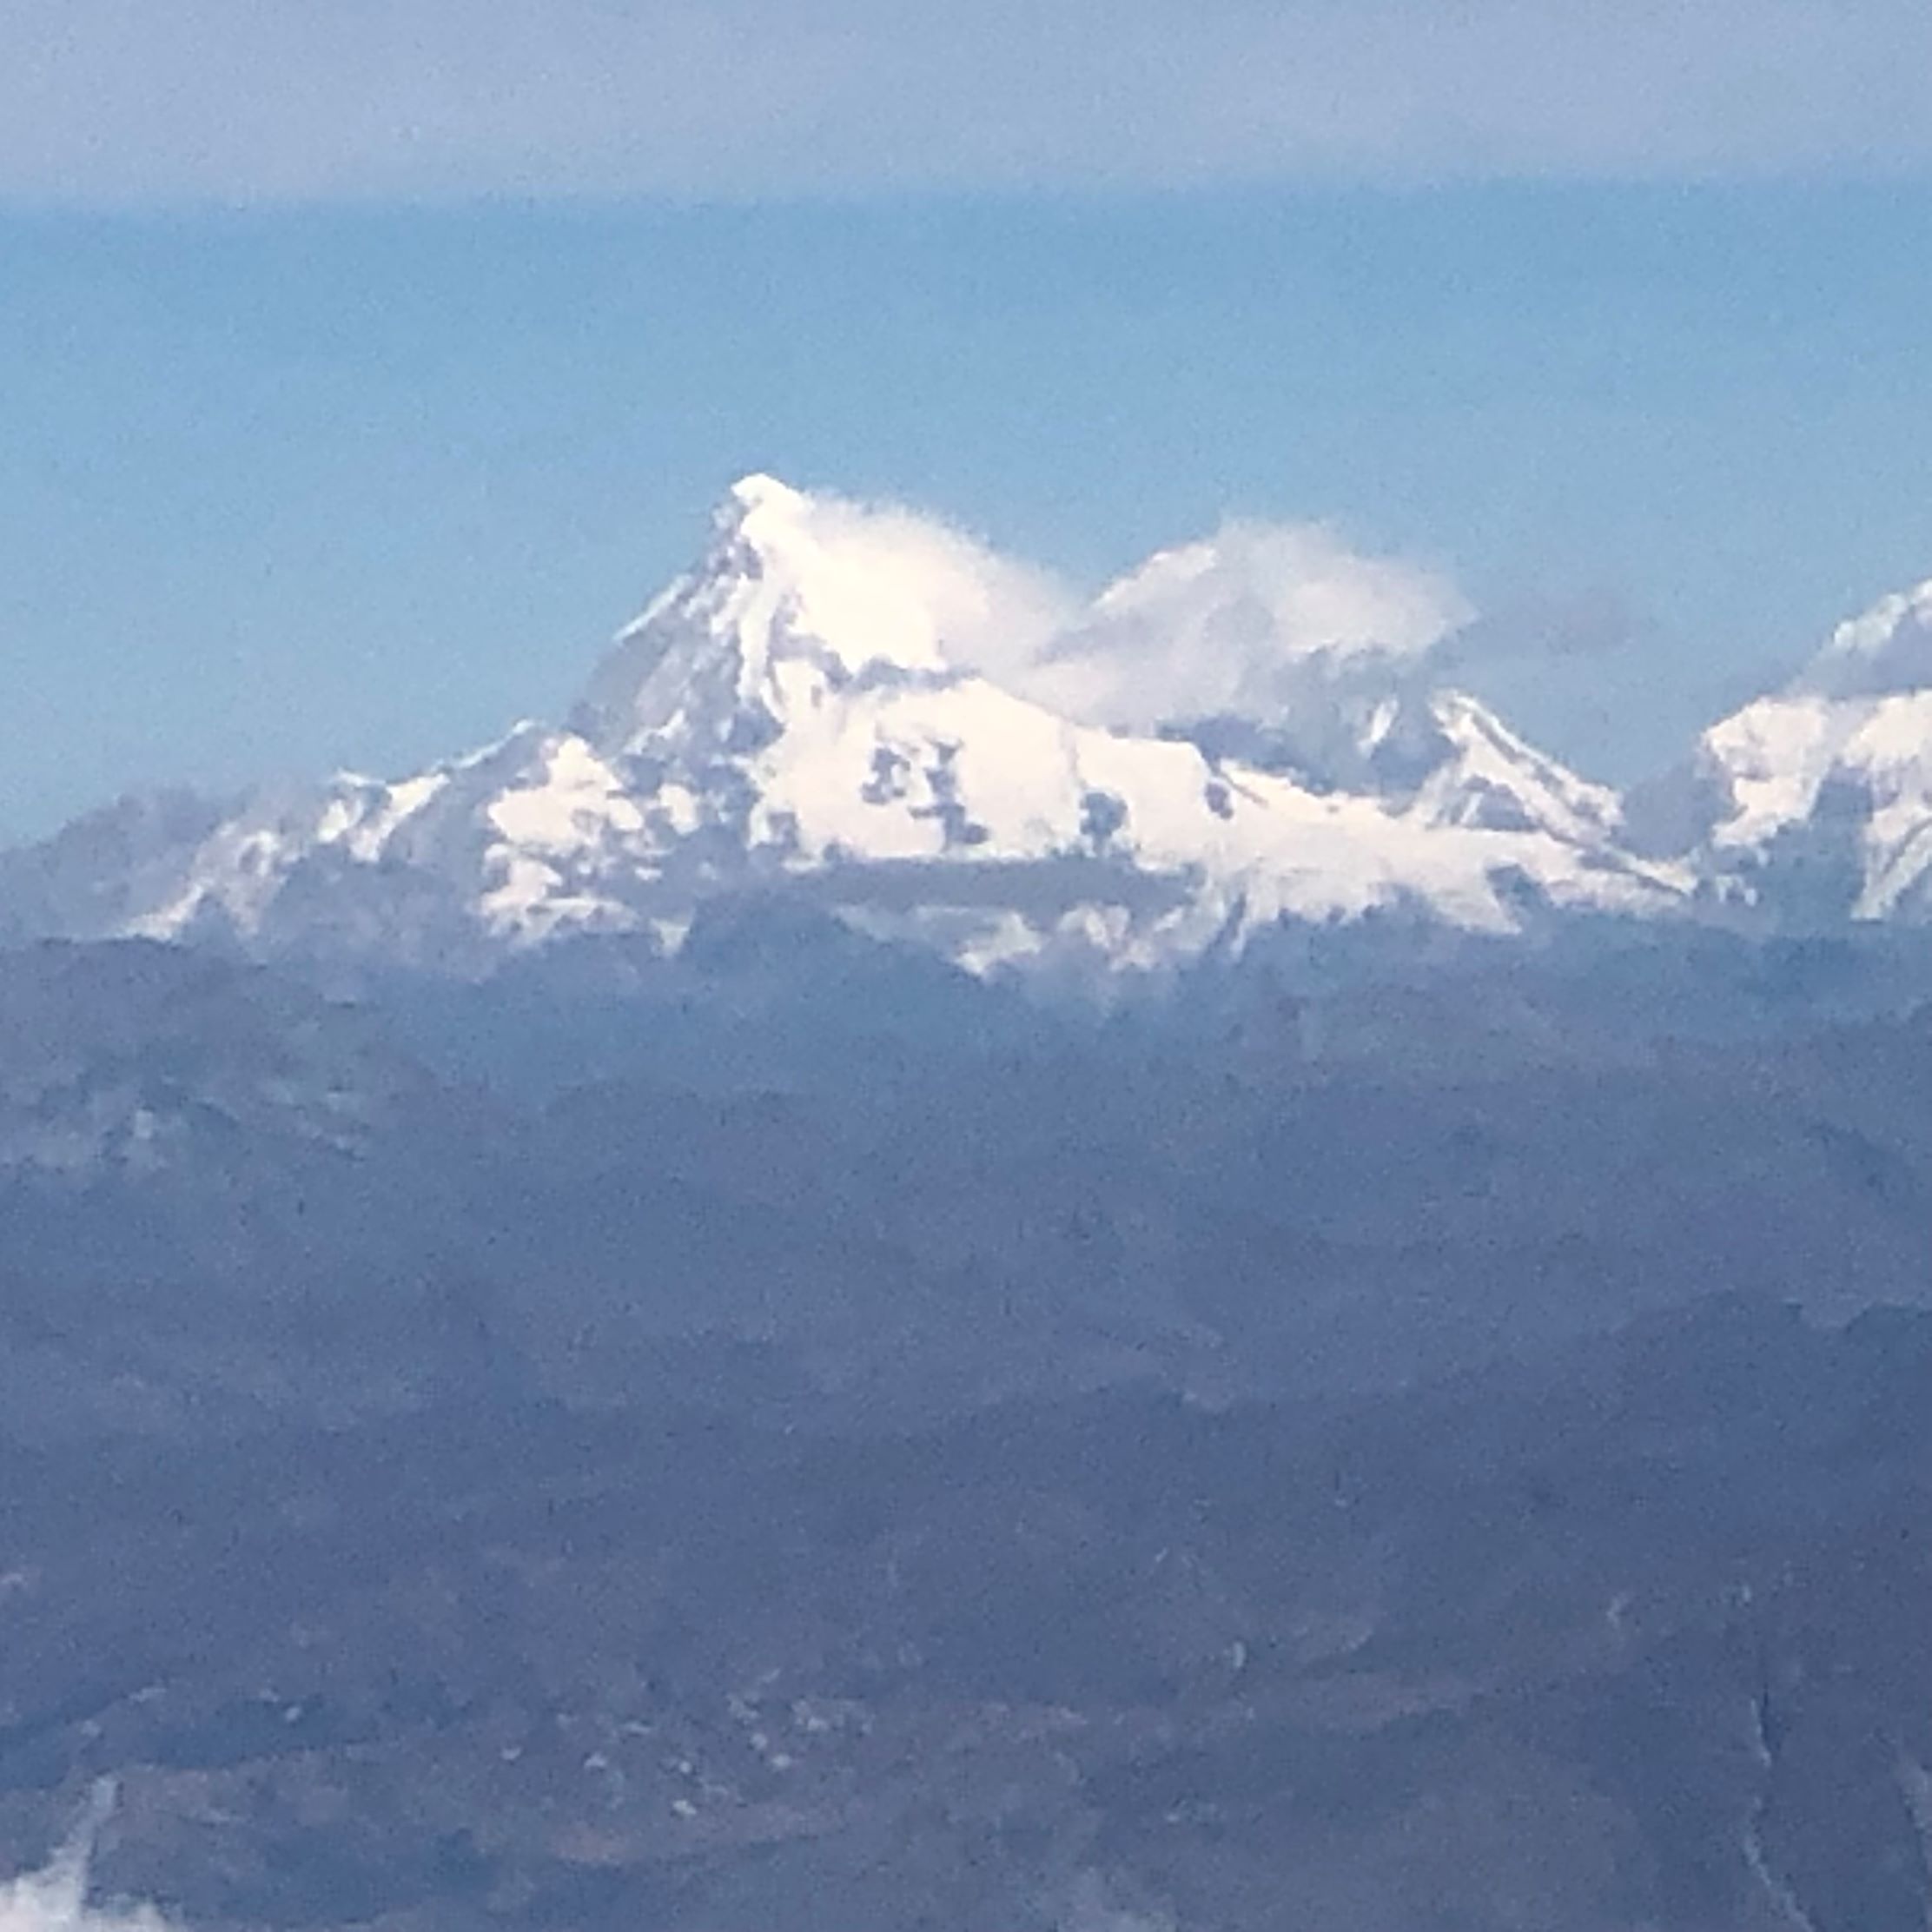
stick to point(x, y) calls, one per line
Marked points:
point(1636, 1637)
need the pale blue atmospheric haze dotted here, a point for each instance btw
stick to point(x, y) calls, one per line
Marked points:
point(302, 485)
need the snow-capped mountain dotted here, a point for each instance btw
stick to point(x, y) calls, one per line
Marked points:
point(1814, 803)
point(869, 709)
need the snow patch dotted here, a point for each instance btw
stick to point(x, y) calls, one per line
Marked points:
point(56, 1898)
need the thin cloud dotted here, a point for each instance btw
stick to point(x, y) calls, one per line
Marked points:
point(1585, 625)
point(123, 102)
point(1252, 623)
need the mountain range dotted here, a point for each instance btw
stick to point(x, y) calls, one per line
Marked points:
point(548, 1378)
point(868, 712)
point(871, 714)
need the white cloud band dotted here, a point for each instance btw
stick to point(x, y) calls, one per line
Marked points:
point(123, 102)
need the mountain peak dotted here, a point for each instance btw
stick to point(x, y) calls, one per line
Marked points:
point(1882, 653)
point(761, 491)
point(762, 515)
point(1814, 801)
point(798, 595)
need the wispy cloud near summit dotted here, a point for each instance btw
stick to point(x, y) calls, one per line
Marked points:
point(115, 102)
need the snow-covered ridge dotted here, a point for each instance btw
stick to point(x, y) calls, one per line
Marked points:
point(1814, 803)
point(869, 706)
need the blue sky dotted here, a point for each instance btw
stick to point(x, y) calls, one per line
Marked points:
point(320, 450)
